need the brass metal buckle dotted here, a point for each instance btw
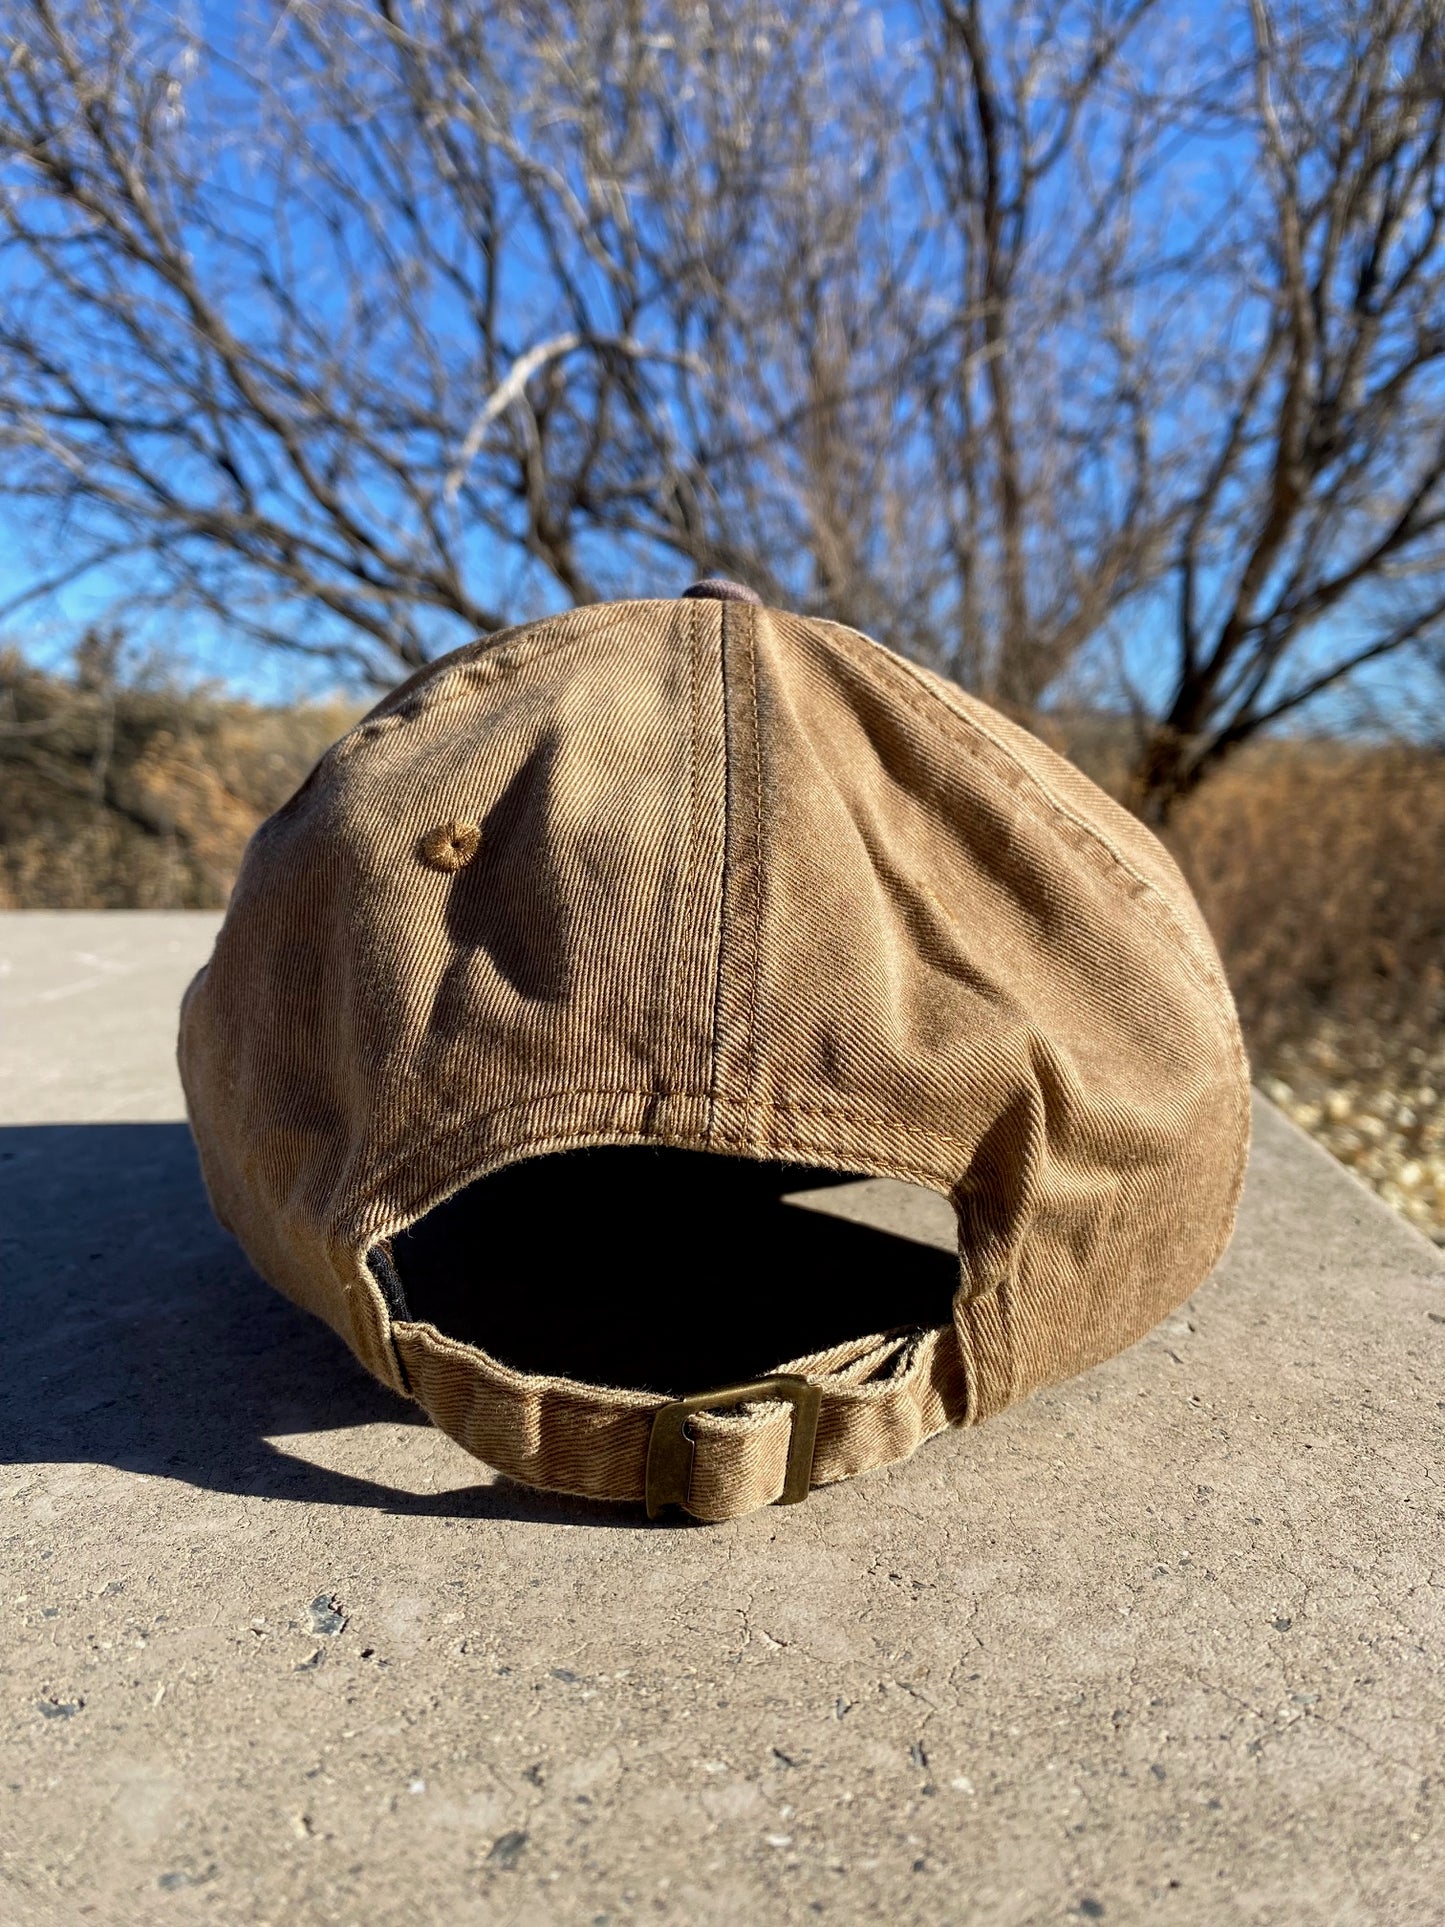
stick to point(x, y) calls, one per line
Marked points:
point(670, 1449)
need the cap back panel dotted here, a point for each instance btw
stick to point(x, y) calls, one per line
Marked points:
point(951, 972)
point(373, 1031)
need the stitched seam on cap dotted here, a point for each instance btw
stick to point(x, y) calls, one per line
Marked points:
point(929, 1178)
point(693, 900)
point(1201, 967)
point(716, 1096)
point(586, 1392)
point(579, 1391)
point(752, 1084)
point(360, 1284)
point(826, 1113)
point(439, 687)
point(714, 1067)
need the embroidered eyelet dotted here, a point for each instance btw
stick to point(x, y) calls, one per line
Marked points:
point(450, 846)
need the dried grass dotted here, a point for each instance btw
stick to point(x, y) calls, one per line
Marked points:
point(116, 797)
point(1321, 870)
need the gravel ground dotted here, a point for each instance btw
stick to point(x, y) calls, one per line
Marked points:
point(1378, 1107)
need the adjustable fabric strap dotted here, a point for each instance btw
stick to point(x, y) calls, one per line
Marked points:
point(880, 1398)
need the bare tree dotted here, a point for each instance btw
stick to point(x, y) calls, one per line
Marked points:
point(1048, 134)
point(1007, 330)
point(392, 321)
point(1314, 538)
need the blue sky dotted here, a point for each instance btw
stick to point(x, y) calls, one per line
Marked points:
point(1192, 196)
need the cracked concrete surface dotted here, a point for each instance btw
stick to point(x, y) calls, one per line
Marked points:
point(1164, 1644)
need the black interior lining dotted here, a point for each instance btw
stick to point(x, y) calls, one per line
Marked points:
point(668, 1271)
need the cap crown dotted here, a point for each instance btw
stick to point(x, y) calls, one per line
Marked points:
point(745, 882)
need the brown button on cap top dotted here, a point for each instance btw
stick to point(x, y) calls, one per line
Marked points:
point(717, 588)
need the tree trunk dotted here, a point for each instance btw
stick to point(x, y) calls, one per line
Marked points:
point(1161, 776)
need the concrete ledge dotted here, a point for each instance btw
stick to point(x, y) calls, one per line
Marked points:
point(1163, 1645)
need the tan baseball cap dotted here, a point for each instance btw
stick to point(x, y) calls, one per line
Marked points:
point(683, 906)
